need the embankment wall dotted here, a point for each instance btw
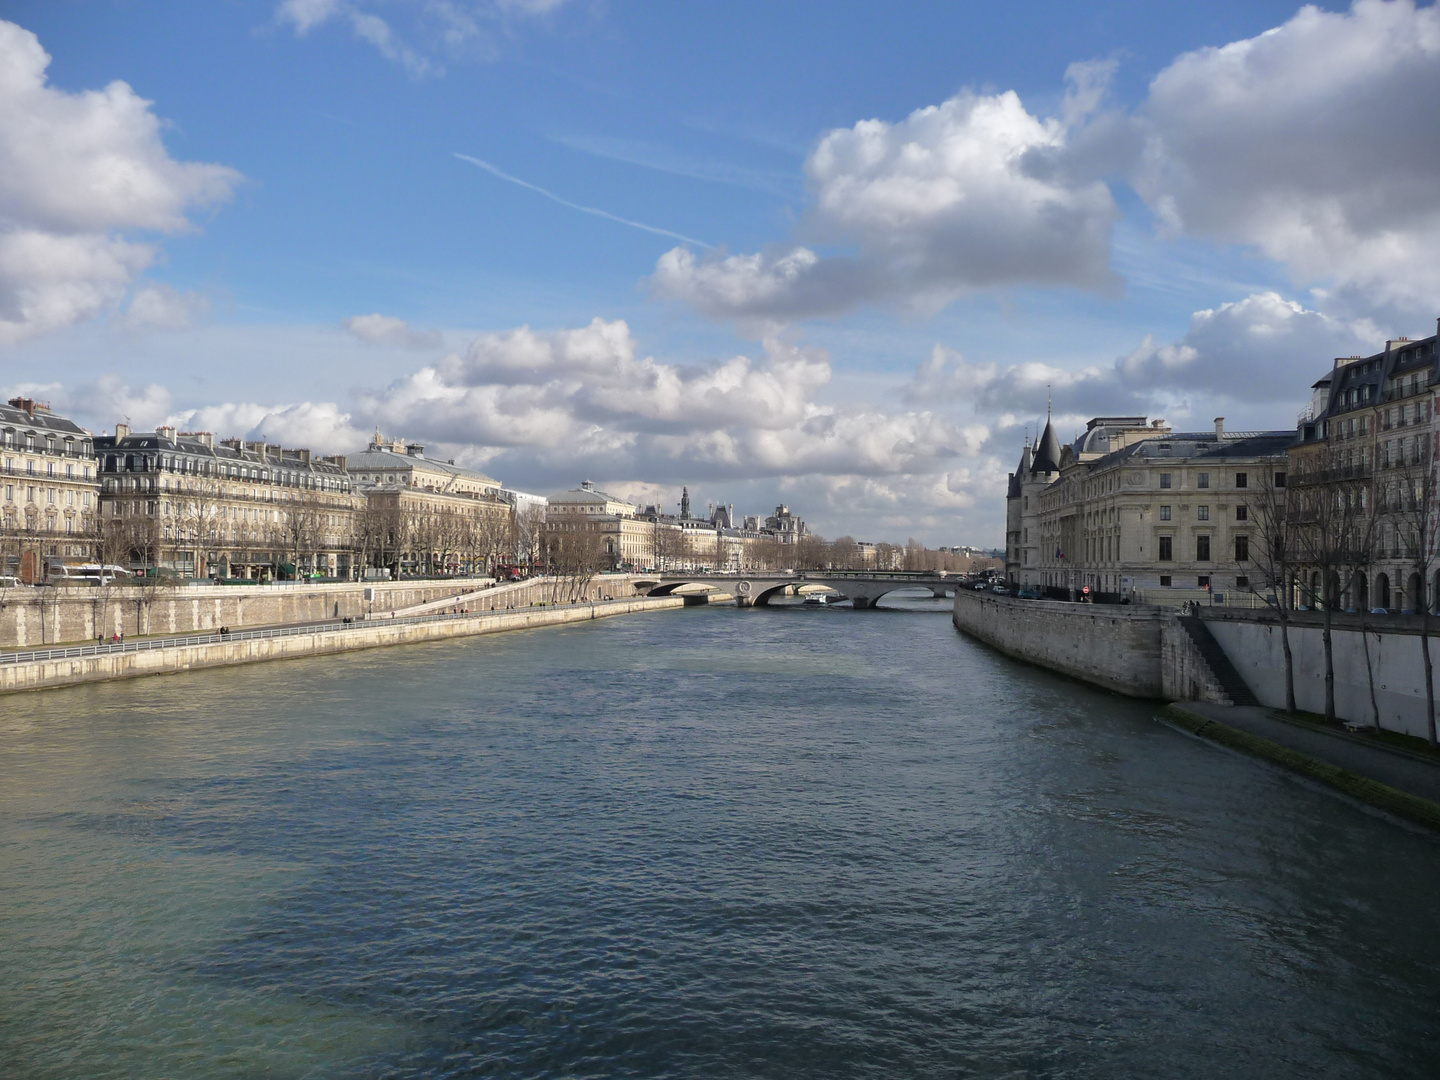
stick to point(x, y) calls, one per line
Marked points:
point(39, 674)
point(1118, 648)
point(35, 617)
point(1253, 644)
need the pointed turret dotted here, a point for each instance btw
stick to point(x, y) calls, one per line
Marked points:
point(1047, 453)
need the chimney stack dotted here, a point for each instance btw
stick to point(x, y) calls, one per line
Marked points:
point(165, 431)
point(122, 430)
point(1219, 427)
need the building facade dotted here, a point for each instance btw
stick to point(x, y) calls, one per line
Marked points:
point(1132, 506)
point(425, 516)
point(182, 502)
point(49, 492)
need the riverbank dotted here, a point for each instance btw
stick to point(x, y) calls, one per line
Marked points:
point(84, 664)
point(1398, 782)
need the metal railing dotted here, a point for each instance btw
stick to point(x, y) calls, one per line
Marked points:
point(147, 644)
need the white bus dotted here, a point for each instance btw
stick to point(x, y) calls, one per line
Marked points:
point(84, 573)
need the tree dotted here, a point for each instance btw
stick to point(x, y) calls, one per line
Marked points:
point(1414, 516)
point(574, 554)
point(844, 552)
point(1334, 529)
point(1269, 558)
point(667, 543)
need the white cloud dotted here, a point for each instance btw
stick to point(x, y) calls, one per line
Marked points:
point(1258, 355)
point(388, 330)
point(159, 307)
point(451, 26)
point(948, 200)
point(305, 15)
point(556, 404)
point(320, 426)
point(76, 172)
point(1317, 142)
point(97, 404)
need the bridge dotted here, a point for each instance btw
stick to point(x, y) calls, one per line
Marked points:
point(861, 587)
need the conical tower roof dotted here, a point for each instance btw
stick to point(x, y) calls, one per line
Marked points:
point(1047, 453)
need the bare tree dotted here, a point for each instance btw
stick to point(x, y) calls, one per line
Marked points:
point(844, 552)
point(1267, 556)
point(1413, 515)
point(574, 554)
point(1334, 529)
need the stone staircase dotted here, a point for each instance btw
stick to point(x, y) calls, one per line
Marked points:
point(1221, 669)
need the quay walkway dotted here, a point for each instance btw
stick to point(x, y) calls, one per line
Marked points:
point(1402, 782)
point(35, 669)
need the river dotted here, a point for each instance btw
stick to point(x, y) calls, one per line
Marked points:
point(795, 842)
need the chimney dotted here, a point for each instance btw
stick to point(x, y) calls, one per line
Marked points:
point(122, 430)
point(165, 431)
point(1219, 427)
point(338, 460)
point(204, 438)
point(29, 405)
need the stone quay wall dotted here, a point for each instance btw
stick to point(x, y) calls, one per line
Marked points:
point(32, 618)
point(40, 674)
point(1118, 648)
point(1252, 642)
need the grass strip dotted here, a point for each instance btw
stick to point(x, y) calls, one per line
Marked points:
point(1383, 796)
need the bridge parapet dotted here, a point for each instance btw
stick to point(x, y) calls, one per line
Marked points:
point(862, 588)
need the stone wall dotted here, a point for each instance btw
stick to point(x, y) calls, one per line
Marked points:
point(39, 674)
point(35, 617)
point(1184, 673)
point(1252, 642)
point(1118, 648)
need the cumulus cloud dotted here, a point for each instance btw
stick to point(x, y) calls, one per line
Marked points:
point(97, 404)
point(387, 330)
point(77, 171)
point(1317, 142)
point(561, 402)
point(1261, 352)
point(321, 426)
point(159, 307)
point(945, 201)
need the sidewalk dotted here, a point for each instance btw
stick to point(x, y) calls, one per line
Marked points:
point(1394, 780)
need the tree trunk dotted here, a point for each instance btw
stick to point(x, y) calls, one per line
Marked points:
point(1369, 671)
point(1329, 666)
point(1289, 661)
point(1429, 676)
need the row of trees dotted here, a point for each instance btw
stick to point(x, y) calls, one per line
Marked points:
point(1320, 534)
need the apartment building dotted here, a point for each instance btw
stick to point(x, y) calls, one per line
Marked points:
point(49, 494)
point(239, 509)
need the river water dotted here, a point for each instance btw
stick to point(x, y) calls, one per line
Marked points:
point(701, 843)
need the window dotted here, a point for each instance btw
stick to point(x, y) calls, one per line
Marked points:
point(1242, 513)
point(1164, 513)
point(1202, 549)
point(1165, 481)
point(1202, 480)
point(1242, 549)
point(1242, 582)
point(1165, 548)
point(1242, 480)
point(1202, 513)
point(1203, 581)
point(1165, 581)
point(1279, 479)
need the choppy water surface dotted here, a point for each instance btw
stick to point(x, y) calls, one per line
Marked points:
point(701, 843)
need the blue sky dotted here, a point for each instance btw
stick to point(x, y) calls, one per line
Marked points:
point(911, 222)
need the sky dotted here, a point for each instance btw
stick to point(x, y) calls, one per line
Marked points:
point(837, 255)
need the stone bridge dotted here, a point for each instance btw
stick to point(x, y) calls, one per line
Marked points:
point(861, 587)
